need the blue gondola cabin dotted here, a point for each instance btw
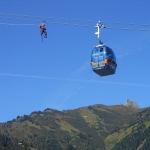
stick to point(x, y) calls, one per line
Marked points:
point(103, 60)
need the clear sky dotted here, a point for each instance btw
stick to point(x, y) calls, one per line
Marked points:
point(57, 73)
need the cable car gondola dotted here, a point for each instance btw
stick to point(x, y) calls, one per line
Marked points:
point(103, 60)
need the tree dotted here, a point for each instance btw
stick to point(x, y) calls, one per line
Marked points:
point(70, 147)
point(26, 146)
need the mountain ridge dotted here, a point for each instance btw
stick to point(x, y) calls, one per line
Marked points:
point(91, 127)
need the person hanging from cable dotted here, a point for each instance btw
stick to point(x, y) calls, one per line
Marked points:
point(43, 29)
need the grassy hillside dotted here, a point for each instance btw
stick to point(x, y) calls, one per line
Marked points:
point(132, 135)
point(96, 127)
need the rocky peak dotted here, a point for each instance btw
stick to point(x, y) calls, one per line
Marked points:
point(132, 104)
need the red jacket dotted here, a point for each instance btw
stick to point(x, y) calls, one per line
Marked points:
point(42, 27)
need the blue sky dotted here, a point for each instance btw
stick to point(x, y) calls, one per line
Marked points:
point(57, 73)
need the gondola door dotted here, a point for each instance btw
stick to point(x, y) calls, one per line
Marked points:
point(98, 58)
point(101, 58)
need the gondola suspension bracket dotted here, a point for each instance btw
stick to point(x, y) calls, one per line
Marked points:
point(99, 26)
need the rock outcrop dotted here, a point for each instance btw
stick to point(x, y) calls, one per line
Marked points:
point(132, 104)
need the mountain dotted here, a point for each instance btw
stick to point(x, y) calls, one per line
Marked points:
point(96, 127)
